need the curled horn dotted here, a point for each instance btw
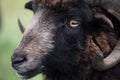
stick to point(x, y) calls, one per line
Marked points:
point(112, 6)
point(99, 62)
point(22, 29)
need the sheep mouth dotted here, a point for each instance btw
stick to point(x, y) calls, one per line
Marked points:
point(27, 75)
point(31, 73)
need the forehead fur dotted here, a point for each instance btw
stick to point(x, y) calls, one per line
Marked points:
point(57, 3)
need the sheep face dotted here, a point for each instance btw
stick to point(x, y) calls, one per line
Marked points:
point(52, 42)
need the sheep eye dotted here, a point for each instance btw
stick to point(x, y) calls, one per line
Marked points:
point(74, 23)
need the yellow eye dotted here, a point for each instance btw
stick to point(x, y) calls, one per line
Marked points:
point(74, 23)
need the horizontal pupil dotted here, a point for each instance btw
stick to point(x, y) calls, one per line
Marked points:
point(74, 23)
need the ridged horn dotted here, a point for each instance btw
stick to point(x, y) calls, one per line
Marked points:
point(112, 6)
point(22, 29)
point(99, 63)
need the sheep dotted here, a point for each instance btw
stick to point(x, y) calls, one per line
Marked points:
point(70, 40)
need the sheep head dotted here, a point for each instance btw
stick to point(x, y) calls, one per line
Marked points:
point(64, 37)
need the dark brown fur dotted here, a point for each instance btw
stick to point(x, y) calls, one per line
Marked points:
point(58, 3)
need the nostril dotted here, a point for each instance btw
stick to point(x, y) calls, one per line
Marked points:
point(18, 60)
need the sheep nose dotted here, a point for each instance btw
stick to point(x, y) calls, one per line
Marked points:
point(18, 60)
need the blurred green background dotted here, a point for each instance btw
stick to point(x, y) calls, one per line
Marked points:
point(10, 35)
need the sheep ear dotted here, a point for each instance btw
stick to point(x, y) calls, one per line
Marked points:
point(104, 20)
point(28, 5)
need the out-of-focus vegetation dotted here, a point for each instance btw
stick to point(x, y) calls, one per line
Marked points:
point(10, 35)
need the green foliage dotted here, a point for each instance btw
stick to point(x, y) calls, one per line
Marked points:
point(10, 35)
